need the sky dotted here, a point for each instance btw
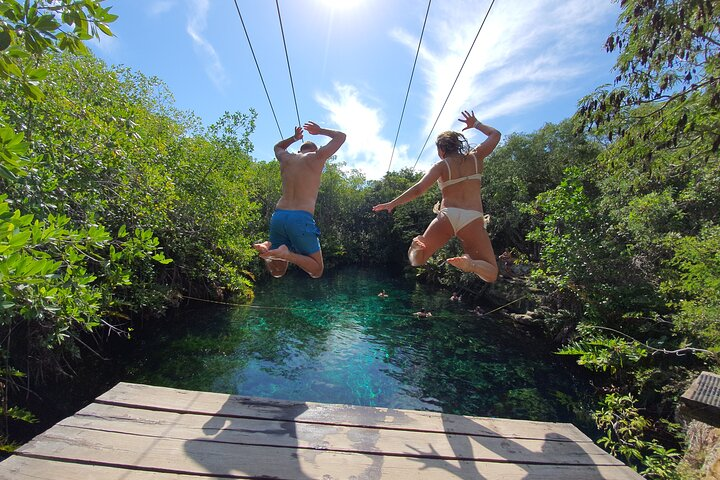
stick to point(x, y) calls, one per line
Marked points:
point(351, 63)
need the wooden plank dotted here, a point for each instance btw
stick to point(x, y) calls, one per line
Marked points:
point(23, 468)
point(340, 438)
point(228, 460)
point(204, 403)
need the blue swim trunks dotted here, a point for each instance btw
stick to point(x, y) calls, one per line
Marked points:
point(296, 229)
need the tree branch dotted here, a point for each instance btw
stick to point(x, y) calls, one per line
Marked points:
point(701, 35)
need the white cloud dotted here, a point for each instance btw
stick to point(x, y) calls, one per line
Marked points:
point(365, 149)
point(108, 46)
point(519, 99)
point(159, 7)
point(197, 22)
point(527, 53)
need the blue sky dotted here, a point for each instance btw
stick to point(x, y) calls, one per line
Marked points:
point(351, 62)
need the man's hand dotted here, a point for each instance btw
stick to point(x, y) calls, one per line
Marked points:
point(312, 128)
point(298, 133)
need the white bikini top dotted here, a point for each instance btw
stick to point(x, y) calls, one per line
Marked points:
point(452, 181)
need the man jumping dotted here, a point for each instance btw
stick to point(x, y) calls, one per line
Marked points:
point(294, 237)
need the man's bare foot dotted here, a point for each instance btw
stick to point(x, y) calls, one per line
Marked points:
point(280, 253)
point(262, 247)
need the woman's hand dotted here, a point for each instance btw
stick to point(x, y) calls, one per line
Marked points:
point(384, 206)
point(469, 119)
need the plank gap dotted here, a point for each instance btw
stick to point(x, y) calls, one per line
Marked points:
point(353, 452)
point(316, 422)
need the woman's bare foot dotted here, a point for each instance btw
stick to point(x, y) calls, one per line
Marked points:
point(481, 268)
point(416, 248)
point(464, 263)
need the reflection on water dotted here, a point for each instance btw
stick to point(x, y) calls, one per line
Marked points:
point(334, 340)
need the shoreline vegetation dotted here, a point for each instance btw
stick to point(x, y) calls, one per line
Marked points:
point(614, 213)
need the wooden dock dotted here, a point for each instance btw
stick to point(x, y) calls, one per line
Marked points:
point(702, 400)
point(140, 432)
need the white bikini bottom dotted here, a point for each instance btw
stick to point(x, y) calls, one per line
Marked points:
point(460, 217)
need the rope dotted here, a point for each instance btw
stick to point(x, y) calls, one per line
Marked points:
point(287, 58)
point(262, 307)
point(295, 309)
point(453, 85)
point(258, 68)
point(473, 292)
point(507, 304)
point(417, 53)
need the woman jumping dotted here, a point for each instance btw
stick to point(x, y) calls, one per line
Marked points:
point(459, 176)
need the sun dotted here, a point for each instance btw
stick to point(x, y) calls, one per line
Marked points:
point(343, 4)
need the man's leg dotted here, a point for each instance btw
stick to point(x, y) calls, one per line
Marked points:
point(312, 263)
point(276, 267)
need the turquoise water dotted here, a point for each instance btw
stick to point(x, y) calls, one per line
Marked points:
point(334, 340)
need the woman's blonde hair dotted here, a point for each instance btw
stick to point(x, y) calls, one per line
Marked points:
point(453, 142)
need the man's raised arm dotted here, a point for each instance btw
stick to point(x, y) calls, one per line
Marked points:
point(282, 146)
point(337, 138)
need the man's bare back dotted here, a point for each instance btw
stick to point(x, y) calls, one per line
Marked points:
point(300, 180)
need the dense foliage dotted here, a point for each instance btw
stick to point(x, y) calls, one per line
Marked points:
point(103, 183)
point(631, 240)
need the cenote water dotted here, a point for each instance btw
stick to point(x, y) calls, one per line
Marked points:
point(334, 340)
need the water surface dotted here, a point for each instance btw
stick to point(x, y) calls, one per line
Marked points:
point(334, 340)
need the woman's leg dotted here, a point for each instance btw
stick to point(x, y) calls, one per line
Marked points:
point(479, 256)
point(437, 234)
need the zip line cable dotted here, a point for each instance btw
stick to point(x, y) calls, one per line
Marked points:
point(397, 134)
point(258, 68)
point(453, 85)
point(292, 84)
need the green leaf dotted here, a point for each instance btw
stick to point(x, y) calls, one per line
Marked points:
point(21, 414)
point(159, 257)
point(33, 92)
point(47, 23)
point(5, 39)
point(105, 29)
point(37, 74)
point(7, 174)
point(19, 239)
point(11, 69)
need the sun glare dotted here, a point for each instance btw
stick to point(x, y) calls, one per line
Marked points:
point(342, 4)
